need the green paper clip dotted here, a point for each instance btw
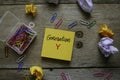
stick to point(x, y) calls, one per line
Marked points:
point(91, 24)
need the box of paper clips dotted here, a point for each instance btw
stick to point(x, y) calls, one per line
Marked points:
point(21, 39)
point(15, 34)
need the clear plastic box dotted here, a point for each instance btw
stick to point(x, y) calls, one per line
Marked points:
point(14, 33)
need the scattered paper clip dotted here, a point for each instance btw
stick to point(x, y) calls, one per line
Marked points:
point(83, 22)
point(63, 76)
point(72, 24)
point(68, 76)
point(53, 17)
point(20, 58)
point(108, 77)
point(27, 77)
point(91, 24)
point(58, 23)
point(20, 65)
point(98, 74)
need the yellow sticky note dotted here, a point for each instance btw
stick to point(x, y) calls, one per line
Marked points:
point(58, 44)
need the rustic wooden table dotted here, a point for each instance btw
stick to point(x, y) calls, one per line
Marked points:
point(85, 61)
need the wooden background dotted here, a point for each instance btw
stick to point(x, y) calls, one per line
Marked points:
point(85, 61)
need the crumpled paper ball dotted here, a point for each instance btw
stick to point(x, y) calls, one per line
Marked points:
point(31, 9)
point(36, 71)
point(105, 31)
point(86, 5)
point(106, 46)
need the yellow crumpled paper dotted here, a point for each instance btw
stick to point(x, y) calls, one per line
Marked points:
point(31, 9)
point(36, 71)
point(105, 31)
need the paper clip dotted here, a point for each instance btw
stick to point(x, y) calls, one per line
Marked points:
point(58, 23)
point(109, 75)
point(98, 74)
point(84, 22)
point(63, 76)
point(20, 65)
point(68, 76)
point(91, 24)
point(72, 24)
point(20, 58)
point(52, 19)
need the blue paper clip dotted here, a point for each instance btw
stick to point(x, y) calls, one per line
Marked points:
point(72, 24)
point(52, 19)
point(20, 65)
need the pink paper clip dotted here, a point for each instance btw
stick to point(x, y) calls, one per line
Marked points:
point(98, 74)
point(63, 76)
point(58, 23)
point(109, 75)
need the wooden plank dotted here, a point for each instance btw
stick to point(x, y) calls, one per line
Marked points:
point(88, 55)
point(55, 74)
point(61, 1)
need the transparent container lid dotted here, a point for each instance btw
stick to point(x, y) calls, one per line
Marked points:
point(14, 33)
point(8, 24)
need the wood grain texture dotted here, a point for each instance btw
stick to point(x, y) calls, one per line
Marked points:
point(88, 55)
point(55, 74)
point(4, 2)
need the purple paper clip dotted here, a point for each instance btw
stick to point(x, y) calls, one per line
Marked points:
point(72, 24)
point(52, 19)
point(109, 75)
point(98, 74)
point(20, 65)
point(58, 23)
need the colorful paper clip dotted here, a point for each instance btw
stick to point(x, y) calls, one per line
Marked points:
point(58, 23)
point(109, 75)
point(68, 76)
point(72, 24)
point(98, 74)
point(83, 22)
point(65, 76)
point(52, 19)
point(91, 24)
point(20, 65)
point(20, 58)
